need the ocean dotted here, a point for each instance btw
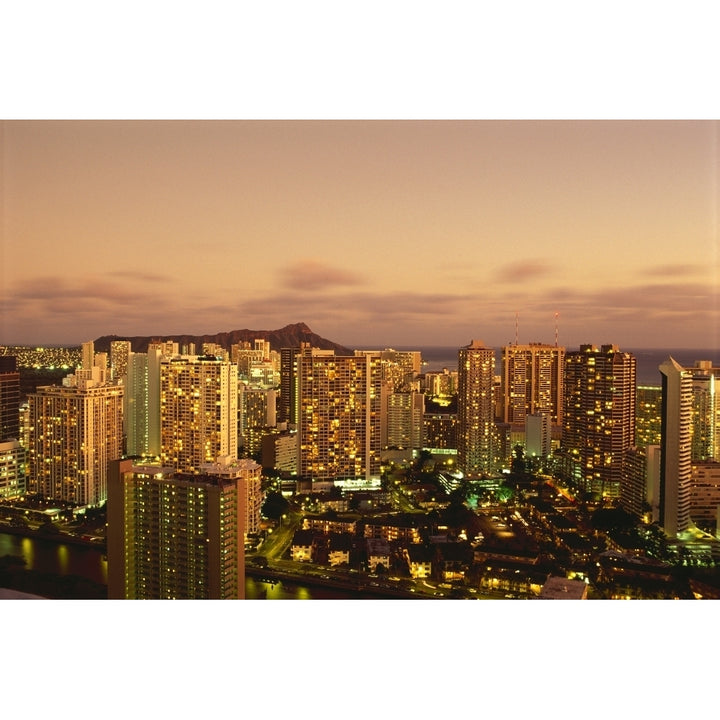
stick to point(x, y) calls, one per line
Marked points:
point(435, 358)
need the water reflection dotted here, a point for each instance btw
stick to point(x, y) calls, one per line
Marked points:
point(59, 559)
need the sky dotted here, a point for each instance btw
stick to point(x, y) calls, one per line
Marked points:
point(373, 233)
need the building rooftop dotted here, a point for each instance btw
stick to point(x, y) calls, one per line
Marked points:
point(559, 588)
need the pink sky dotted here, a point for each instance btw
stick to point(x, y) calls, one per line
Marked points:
point(374, 233)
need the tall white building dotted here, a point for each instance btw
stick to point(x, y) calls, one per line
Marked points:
point(675, 448)
point(405, 416)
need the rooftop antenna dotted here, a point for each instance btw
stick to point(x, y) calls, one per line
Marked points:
point(556, 328)
point(516, 327)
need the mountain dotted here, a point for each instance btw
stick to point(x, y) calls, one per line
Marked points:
point(289, 336)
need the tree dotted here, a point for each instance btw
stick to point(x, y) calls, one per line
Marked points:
point(275, 505)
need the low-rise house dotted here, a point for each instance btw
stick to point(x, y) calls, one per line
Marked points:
point(378, 553)
point(452, 560)
point(330, 523)
point(405, 528)
point(340, 546)
point(419, 559)
point(301, 548)
point(517, 578)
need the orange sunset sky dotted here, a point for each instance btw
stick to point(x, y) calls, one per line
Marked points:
point(372, 232)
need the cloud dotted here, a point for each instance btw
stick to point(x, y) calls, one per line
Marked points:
point(141, 276)
point(56, 289)
point(523, 270)
point(314, 275)
point(674, 270)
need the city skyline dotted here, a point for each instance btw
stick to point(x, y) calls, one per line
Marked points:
point(374, 233)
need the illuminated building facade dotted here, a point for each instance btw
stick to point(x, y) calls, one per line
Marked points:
point(405, 411)
point(648, 420)
point(706, 409)
point(440, 431)
point(476, 409)
point(12, 469)
point(137, 416)
point(198, 411)
point(675, 448)
point(340, 414)
point(599, 416)
point(250, 473)
point(287, 406)
point(256, 414)
point(12, 451)
point(119, 355)
point(175, 536)
point(400, 367)
point(532, 382)
point(9, 398)
point(75, 431)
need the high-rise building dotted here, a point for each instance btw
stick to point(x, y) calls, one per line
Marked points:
point(400, 367)
point(405, 420)
point(706, 411)
point(251, 475)
point(119, 356)
point(137, 418)
point(287, 405)
point(599, 415)
point(256, 413)
point(648, 419)
point(634, 486)
point(675, 448)
point(538, 435)
point(12, 469)
point(9, 398)
point(173, 535)
point(440, 431)
point(476, 409)
point(75, 430)
point(532, 382)
point(340, 414)
point(198, 411)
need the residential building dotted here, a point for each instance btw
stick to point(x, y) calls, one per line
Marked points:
point(532, 382)
point(12, 449)
point(706, 411)
point(12, 469)
point(76, 430)
point(648, 421)
point(440, 431)
point(675, 448)
point(599, 416)
point(9, 398)
point(405, 412)
point(705, 494)
point(198, 411)
point(250, 473)
point(288, 402)
point(173, 535)
point(538, 434)
point(340, 414)
point(119, 356)
point(476, 416)
point(256, 414)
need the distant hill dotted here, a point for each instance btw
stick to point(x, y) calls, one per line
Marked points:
point(289, 336)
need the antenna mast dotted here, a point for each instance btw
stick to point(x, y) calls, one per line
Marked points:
point(556, 329)
point(516, 327)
